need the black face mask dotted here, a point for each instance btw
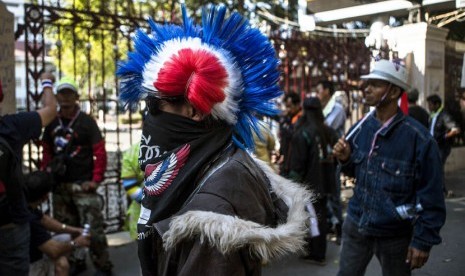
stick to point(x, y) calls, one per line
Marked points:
point(174, 150)
point(164, 132)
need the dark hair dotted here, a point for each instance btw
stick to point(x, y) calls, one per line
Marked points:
point(314, 120)
point(153, 103)
point(312, 103)
point(295, 98)
point(434, 99)
point(412, 95)
point(313, 113)
point(38, 184)
point(327, 85)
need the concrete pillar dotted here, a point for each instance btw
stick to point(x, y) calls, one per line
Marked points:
point(423, 46)
point(7, 60)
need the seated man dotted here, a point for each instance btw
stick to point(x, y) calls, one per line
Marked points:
point(38, 185)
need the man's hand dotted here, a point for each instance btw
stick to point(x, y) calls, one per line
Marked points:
point(451, 133)
point(342, 150)
point(49, 110)
point(74, 231)
point(416, 258)
point(47, 76)
point(82, 241)
point(89, 186)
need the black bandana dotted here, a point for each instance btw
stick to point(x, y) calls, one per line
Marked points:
point(173, 151)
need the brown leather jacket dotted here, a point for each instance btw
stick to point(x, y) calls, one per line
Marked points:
point(233, 223)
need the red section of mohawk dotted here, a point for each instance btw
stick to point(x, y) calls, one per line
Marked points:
point(196, 73)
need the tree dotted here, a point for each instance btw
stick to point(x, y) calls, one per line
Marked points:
point(92, 35)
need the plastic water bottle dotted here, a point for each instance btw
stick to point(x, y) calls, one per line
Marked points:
point(81, 253)
point(314, 231)
point(409, 211)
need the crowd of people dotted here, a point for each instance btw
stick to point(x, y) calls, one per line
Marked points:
point(201, 202)
point(73, 164)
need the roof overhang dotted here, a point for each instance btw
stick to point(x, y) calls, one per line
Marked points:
point(368, 11)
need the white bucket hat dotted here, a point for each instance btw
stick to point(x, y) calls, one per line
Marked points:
point(389, 71)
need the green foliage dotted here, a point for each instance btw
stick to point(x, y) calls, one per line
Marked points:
point(91, 41)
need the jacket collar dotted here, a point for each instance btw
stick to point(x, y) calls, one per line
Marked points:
point(229, 233)
point(376, 124)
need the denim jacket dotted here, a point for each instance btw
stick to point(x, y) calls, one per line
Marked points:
point(404, 168)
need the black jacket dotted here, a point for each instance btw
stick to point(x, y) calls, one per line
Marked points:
point(310, 159)
point(444, 124)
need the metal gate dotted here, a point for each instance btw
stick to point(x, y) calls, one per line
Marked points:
point(88, 38)
point(340, 58)
point(87, 42)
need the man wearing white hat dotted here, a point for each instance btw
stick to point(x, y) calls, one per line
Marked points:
point(398, 206)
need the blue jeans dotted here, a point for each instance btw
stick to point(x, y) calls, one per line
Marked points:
point(358, 249)
point(14, 249)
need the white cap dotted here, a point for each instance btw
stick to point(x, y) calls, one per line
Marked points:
point(389, 71)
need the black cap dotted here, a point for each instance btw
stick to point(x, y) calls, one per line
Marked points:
point(312, 103)
point(412, 95)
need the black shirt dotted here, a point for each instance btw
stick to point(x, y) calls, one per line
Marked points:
point(17, 130)
point(419, 113)
point(79, 136)
point(39, 235)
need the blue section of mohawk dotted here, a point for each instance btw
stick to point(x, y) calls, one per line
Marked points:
point(251, 50)
point(257, 61)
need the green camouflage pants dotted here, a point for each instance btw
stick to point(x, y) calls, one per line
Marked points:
point(72, 206)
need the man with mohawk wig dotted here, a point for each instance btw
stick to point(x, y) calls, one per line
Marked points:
point(208, 207)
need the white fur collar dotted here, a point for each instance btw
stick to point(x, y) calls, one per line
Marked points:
point(229, 233)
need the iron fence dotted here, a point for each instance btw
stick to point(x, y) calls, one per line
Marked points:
point(87, 40)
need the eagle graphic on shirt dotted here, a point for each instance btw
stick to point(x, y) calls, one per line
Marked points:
point(159, 176)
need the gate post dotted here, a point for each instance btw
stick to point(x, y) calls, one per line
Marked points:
point(427, 43)
point(7, 61)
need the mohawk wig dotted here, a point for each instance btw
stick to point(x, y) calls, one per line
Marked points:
point(224, 68)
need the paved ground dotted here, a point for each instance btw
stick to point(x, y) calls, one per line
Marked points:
point(447, 259)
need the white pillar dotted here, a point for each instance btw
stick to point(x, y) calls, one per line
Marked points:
point(7, 60)
point(423, 46)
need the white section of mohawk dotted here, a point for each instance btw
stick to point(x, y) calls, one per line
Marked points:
point(226, 110)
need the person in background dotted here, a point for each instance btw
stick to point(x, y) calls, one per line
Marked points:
point(38, 185)
point(335, 115)
point(75, 140)
point(264, 142)
point(311, 163)
point(462, 100)
point(208, 207)
point(462, 112)
point(15, 131)
point(397, 209)
point(287, 121)
point(415, 111)
point(443, 129)
point(133, 179)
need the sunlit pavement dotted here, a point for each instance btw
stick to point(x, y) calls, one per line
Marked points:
point(446, 259)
